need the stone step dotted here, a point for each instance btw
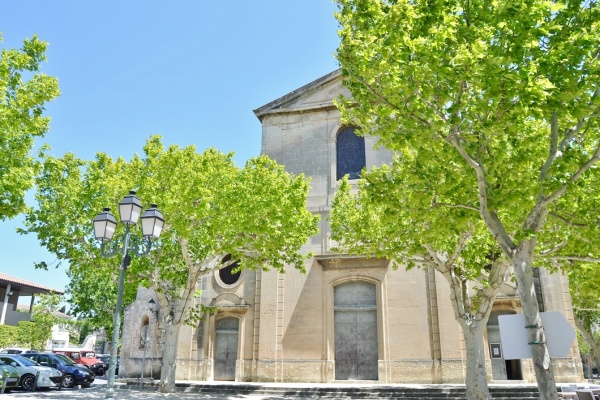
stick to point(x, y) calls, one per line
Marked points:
point(434, 392)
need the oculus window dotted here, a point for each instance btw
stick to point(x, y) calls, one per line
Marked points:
point(226, 275)
point(350, 153)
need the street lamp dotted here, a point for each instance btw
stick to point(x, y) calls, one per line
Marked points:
point(105, 225)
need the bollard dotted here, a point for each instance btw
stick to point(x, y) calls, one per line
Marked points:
point(5, 375)
point(35, 381)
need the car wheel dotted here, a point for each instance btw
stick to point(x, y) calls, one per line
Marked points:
point(68, 381)
point(27, 381)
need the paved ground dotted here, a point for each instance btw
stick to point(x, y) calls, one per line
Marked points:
point(95, 394)
point(98, 391)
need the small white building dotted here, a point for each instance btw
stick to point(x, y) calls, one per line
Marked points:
point(11, 290)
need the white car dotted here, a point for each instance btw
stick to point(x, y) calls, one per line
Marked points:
point(16, 350)
point(28, 369)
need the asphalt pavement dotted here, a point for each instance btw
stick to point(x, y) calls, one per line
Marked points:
point(98, 391)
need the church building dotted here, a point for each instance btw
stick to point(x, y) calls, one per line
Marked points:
point(349, 318)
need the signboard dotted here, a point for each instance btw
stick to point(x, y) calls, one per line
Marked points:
point(515, 343)
point(495, 350)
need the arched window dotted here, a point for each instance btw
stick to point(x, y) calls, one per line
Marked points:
point(350, 152)
point(144, 332)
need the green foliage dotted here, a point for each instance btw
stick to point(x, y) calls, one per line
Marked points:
point(493, 107)
point(23, 94)
point(584, 285)
point(212, 208)
point(8, 336)
point(37, 332)
point(395, 215)
point(86, 328)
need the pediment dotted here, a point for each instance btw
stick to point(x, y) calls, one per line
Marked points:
point(229, 301)
point(318, 94)
point(349, 261)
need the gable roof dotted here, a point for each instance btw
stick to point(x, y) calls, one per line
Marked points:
point(319, 93)
point(25, 288)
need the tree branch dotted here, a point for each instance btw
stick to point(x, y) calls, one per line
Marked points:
point(464, 238)
point(436, 204)
point(561, 190)
point(553, 148)
point(391, 105)
point(489, 217)
point(567, 221)
point(576, 258)
point(556, 248)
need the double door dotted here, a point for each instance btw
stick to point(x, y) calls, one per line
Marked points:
point(356, 343)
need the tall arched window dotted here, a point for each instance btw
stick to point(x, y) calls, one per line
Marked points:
point(350, 152)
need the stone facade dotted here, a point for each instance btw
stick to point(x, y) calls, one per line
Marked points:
point(294, 327)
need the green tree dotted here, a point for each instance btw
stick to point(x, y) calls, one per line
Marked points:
point(584, 286)
point(501, 97)
point(36, 333)
point(92, 296)
point(8, 336)
point(257, 214)
point(398, 222)
point(24, 94)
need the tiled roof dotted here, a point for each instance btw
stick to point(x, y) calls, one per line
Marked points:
point(4, 278)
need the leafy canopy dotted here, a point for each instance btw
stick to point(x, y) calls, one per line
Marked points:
point(23, 94)
point(495, 104)
point(212, 208)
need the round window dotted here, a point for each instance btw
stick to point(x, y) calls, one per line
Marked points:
point(226, 274)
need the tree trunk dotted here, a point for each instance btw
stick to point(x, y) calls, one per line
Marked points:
point(169, 358)
point(594, 344)
point(542, 364)
point(476, 379)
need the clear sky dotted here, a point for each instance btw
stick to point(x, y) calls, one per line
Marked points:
point(189, 70)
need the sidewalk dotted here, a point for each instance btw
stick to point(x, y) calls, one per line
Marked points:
point(246, 390)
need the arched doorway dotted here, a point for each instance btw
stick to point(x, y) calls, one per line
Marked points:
point(356, 345)
point(501, 369)
point(226, 348)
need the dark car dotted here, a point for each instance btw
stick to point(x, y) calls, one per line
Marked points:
point(106, 359)
point(73, 374)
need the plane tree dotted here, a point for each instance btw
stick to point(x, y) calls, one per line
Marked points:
point(584, 284)
point(254, 214)
point(24, 91)
point(406, 222)
point(507, 94)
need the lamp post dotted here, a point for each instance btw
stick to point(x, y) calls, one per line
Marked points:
point(105, 225)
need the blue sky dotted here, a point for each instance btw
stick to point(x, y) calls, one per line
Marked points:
point(191, 71)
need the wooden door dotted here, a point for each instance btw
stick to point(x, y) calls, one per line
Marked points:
point(226, 348)
point(356, 344)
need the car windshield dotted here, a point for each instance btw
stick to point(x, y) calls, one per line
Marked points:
point(64, 359)
point(26, 362)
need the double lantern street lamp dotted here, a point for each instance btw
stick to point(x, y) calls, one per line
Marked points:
point(105, 226)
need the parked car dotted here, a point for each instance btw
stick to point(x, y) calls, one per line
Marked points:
point(84, 357)
point(73, 374)
point(106, 359)
point(12, 377)
point(28, 369)
point(16, 350)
